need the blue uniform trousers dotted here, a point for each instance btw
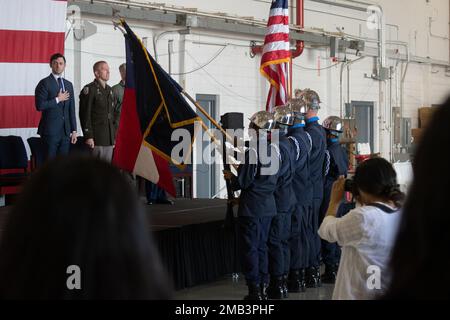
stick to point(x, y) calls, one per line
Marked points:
point(279, 248)
point(313, 235)
point(253, 236)
point(299, 241)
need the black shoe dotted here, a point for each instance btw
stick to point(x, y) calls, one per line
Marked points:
point(150, 202)
point(303, 279)
point(275, 290)
point(330, 274)
point(264, 291)
point(319, 280)
point(164, 201)
point(295, 283)
point(285, 286)
point(254, 292)
point(311, 278)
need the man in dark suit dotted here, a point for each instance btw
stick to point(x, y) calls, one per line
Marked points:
point(54, 97)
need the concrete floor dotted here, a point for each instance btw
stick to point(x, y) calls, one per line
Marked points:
point(231, 288)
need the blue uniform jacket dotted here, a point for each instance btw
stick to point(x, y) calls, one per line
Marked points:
point(257, 190)
point(301, 184)
point(284, 195)
point(317, 157)
point(337, 164)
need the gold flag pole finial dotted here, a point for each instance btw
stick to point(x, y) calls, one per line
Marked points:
point(118, 25)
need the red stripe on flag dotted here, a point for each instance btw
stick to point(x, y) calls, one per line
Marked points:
point(129, 135)
point(30, 46)
point(272, 74)
point(278, 20)
point(282, 72)
point(18, 112)
point(276, 37)
point(275, 55)
point(165, 176)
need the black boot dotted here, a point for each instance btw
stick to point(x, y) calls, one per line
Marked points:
point(295, 283)
point(311, 278)
point(285, 286)
point(303, 279)
point(254, 292)
point(319, 280)
point(264, 291)
point(330, 274)
point(275, 290)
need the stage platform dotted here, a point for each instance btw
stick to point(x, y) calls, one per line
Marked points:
point(194, 244)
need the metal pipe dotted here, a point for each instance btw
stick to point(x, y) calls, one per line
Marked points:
point(382, 37)
point(381, 30)
point(341, 98)
point(348, 83)
point(332, 3)
point(408, 55)
point(157, 37)
point(364, 3)
point(381, 115)
point(391, 140)
point(351, 18)
point(402, 88)
point(300, 45)
point(169, 51)
point(253, 22)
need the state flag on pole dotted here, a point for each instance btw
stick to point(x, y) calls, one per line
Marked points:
point(153, 107)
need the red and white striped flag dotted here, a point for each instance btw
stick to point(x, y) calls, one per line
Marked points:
point(30, 32)
point(276, 54)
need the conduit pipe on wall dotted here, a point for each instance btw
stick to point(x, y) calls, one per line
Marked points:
point(345, 64)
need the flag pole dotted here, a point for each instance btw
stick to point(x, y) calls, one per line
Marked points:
point(290, 77)
point(214, 122)
point(214, 139)
point(118, 25)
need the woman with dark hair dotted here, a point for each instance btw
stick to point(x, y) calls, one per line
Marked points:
point(420, 258)
point(366, 234)
point(78, 232)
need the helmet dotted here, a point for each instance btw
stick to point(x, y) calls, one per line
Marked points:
point(333, 124)
point(298, 107)
point(311, 98)
point(298, 93)
point(263, 120)
point(284, 115)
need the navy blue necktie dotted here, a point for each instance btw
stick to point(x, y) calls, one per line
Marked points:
point(61, 84)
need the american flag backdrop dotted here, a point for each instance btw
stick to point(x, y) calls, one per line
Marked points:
point(30, 32)
point(276, 54)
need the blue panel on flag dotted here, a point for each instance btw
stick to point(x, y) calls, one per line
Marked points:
point(280, 4)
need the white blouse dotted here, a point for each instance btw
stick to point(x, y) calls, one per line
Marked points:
point(366, 235)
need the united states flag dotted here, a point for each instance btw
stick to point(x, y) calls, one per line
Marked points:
point(30, 32)
point(276, 54)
